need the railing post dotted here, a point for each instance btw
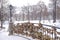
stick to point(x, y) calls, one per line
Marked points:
point(54, 31)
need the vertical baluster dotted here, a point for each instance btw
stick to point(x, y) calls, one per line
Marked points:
point(54, 31)
point(52, 34)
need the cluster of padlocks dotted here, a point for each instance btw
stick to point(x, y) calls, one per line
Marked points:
point(36, 32)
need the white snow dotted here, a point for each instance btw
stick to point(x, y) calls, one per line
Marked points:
point(4, 32)
point(43, 22)
point(4, 36)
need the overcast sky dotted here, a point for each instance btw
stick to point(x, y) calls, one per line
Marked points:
point(20, 3)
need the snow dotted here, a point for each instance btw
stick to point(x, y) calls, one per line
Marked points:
point(57, 23)
point(43, 22)
point(4, 33)
point(4, 36)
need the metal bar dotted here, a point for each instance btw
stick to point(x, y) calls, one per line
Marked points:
point(51, 26)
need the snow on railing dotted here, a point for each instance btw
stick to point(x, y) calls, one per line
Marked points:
point(39, 31)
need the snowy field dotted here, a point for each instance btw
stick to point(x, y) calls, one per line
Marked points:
point(4, 32)
point(4, 36)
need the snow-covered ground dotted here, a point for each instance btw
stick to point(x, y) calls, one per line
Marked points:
point(4, 36)
point(4, 32)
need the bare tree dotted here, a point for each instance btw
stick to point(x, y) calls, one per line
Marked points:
point(43, 10)
point(54, 5)
point(2, 11)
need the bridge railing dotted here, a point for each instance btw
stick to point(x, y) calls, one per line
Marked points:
point(38, 32)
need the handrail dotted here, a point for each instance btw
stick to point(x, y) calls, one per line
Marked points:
point(50, 31)
point(51, 26)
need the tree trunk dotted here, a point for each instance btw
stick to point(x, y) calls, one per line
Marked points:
point(1, 24)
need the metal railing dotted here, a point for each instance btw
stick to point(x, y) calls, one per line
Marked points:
point(38, 32)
